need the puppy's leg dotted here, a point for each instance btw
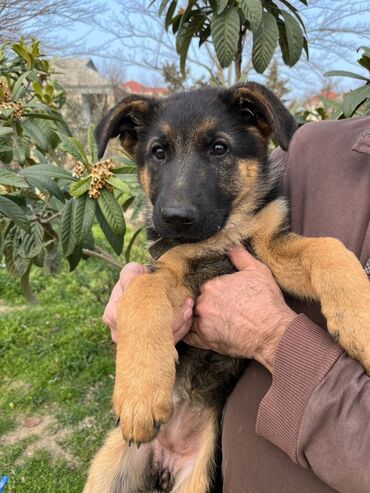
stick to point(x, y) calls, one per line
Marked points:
point(324, 270)
point(199, 475)
point(146, 355)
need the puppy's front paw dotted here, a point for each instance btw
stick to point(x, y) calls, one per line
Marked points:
point(142, 399)
point(352, 331)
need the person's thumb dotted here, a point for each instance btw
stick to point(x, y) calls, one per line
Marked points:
point(241, 258)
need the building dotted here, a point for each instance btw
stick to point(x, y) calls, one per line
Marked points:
point(85, 87)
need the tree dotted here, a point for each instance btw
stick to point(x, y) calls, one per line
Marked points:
point(42, 204)
point(30, 18)
point(228, 23)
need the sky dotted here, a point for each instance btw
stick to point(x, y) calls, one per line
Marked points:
point(98, 44)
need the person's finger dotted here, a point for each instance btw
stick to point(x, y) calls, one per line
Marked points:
point(129, 272)
point(241, 258)
point(193, 339)
point(185, 322)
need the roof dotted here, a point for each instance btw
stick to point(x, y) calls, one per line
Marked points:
point(331, 95)
point(79, 73)
point(133, 87)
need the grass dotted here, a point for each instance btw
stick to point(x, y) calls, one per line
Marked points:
point(56, 377)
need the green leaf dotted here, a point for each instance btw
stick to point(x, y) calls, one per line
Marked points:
point(80, 187)
point(295, 13)
point(221, 5)
point(11, 179)
point(5, 131)
point(18, 87)
point(169, 15)
point(74, 257)
point(67, 235)
point(115, 241)
point(36, 134)
point(10, 209)
point(252, 10)
point(112, 212)
point(83, 217)
point(15, 264)
point(46, 185)
point(184, 37)
point(48, 170)
point(73, 147)
point(264, 42)
point(294, 37)
point(344, 73)
point(31, 244)
point(117, 183)
point(163, 5)
point(354, 99)
point(225, 35)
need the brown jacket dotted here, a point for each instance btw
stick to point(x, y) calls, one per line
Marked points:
point(306, 429)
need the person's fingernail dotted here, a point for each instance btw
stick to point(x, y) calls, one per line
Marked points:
point(187, 313)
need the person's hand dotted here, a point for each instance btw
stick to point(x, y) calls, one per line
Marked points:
point(242, 314)
point(129, 271)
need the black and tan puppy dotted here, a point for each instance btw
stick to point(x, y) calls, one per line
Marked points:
point(202, 160)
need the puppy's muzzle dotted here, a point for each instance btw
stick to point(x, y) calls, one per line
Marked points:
point(179, 217)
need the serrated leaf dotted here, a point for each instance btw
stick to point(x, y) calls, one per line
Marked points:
point(36, 134)
point(295, 13)
point(162, 6)
point(345, 73)
point(115, 241)
point(67, 235)
point(264, 42)
point(112, 212)
point(354, 99)
point(73, 147)
point(10, 209)
point(48, 170)
point(84, 213)
point(117, 183)
point(31, 244)
point(80, 187)
point(15, 264)
point(18, 87)
point(5, 131)
point(74, 257)
point(221, 5)
point(294, 37)
point(252, 11)
point(46, 185)
point(225, 35)
point(184, 37)
point(169, 15)
point(10, 178)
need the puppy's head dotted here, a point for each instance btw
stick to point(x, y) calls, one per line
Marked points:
point(199, 154)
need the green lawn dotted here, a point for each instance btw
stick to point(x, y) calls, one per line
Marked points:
point(56, 378)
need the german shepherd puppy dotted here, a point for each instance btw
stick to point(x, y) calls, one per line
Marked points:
point(202, 160)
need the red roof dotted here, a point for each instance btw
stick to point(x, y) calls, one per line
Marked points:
point(134, 87)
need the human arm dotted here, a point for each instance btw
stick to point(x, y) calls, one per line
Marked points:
point(316, 409)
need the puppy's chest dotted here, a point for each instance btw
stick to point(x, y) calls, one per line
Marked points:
point(203, 269)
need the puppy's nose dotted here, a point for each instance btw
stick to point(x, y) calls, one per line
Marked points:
point(179, 216)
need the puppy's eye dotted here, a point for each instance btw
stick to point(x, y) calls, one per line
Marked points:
point(158, 152)
point(219, 149)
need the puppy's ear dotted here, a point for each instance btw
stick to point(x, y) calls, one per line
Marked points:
point(259, 106)
point(124, 120)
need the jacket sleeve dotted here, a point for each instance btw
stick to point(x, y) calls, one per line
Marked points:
point(318, 407)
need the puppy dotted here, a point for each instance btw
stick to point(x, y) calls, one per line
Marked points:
point(202, 160)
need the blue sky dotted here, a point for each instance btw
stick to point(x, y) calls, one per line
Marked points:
point(302, 80)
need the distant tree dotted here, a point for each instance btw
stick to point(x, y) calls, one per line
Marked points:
point(30, 18)
point(275, 82)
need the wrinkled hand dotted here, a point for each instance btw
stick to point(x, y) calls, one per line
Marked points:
point(129, 271)
point(242, 314)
